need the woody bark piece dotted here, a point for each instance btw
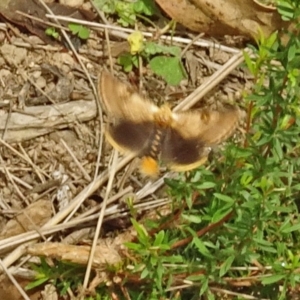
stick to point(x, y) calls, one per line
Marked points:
point(220, 17)
point(40, 120)
point(108, 251)
point(9, 9)
point(32, 217)
point(104, 254)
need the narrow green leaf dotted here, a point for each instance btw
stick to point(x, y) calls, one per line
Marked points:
point(206, 185)
point(141, 231)
point(250, 64)
point(223, 197)
point(159, 237)
point(272, 279)
point(201, 247)
point(295, 227)
point(36, 283)
point(192, 218)
point(226, 265)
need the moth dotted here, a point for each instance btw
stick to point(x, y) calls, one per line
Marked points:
point(181, 140)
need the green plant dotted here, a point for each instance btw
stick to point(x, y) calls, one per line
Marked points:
point(289, 9)
point(163, 60)
point(77, 29)
point(51, 31)
point(81, 31)
point(238, 222)
point(151, 250)
point(60, 274)
point(127, 11)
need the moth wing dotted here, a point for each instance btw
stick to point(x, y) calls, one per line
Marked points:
point(208, 127)
point(186, 144)
point(182, 154)
point(122, 102)
point(128, 136)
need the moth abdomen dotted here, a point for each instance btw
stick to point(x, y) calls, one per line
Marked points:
point(155, 144)
point(151, 155)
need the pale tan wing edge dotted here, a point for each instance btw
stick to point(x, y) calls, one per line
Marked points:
point(121, 101)
point(211, 127)
point(185, 168)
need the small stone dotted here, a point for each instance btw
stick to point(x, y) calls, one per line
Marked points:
point(72, 3)
point(41, 82)
point(13, 55)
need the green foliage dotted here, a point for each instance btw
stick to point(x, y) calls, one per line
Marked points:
point(152, 48)
point(61, 275)
point(127, 11)
point(51, 31)
point(77, 29)
point(128, 61)
point(289, 9)
point(168, 65)
point(163, 60)
point(244, 210)
point(81, 31)
point(151, 250)
point(169, 68)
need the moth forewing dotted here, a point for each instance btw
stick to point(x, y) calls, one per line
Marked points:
point(210, 127)
point(122, 101)
point(221, 126)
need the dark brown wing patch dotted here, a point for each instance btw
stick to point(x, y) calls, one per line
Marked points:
point(133, 137)
point(182, 154)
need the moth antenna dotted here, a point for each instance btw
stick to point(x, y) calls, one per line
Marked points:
point(149, 166)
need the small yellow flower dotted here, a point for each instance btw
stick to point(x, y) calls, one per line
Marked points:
point(135, 41)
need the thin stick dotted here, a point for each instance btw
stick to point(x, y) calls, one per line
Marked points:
point(211, 82)
point(100, 219)
point(117, 29)
point(81, 168)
